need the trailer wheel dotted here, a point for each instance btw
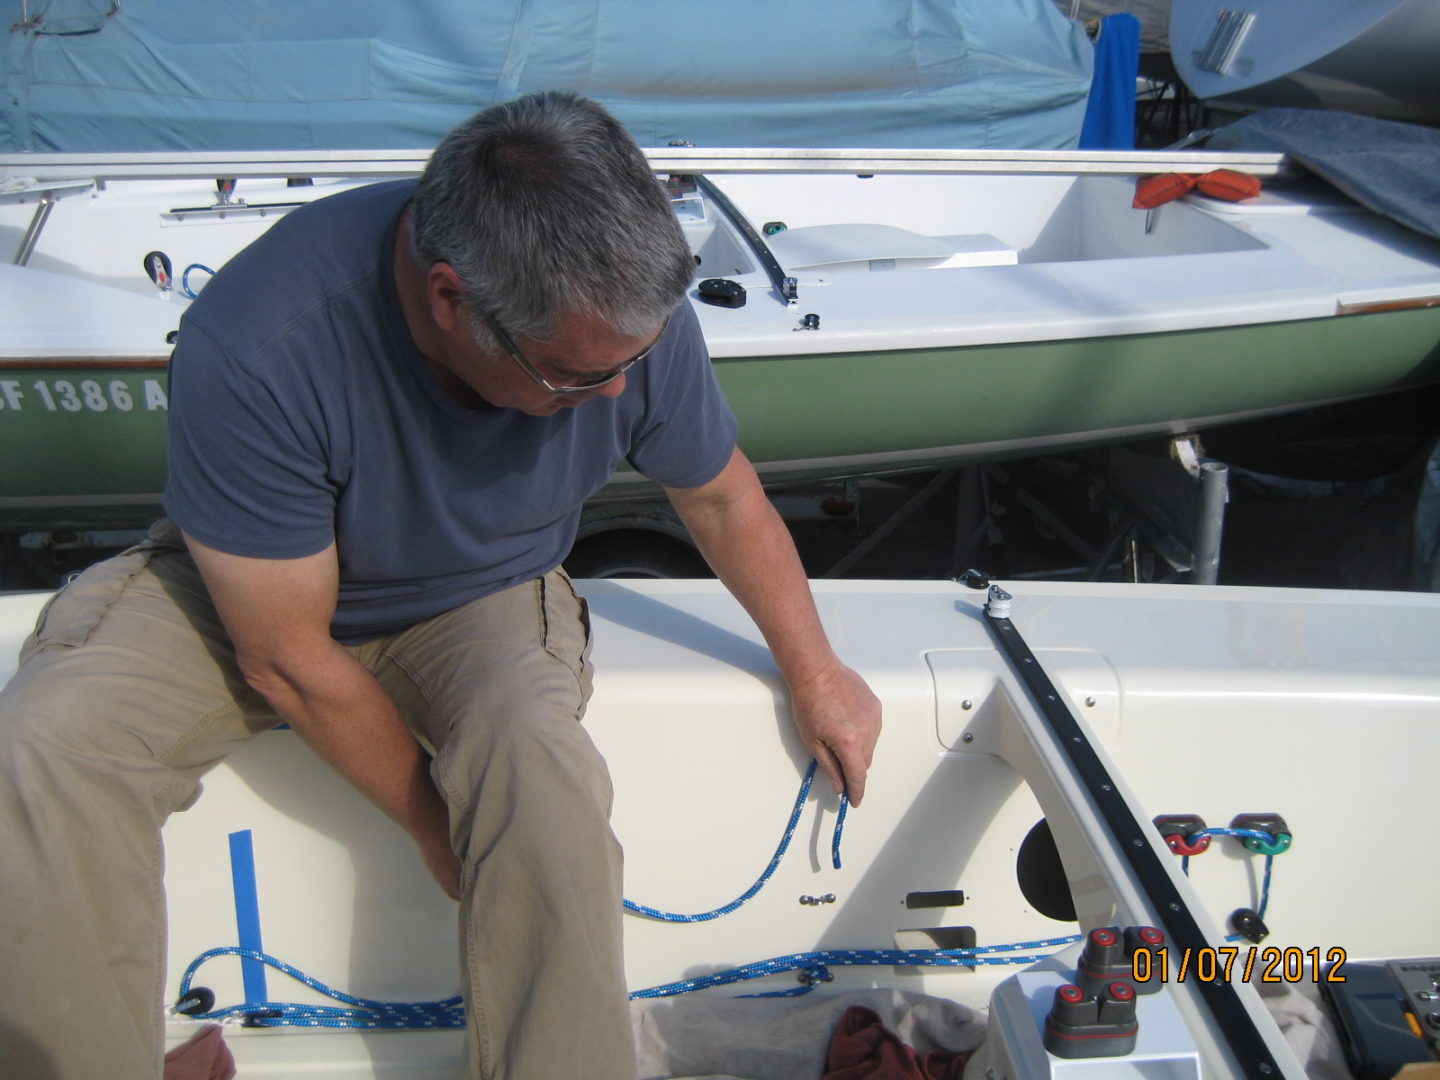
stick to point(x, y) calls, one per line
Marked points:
point(634, 553)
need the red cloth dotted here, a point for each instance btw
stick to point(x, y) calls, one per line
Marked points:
point(863, 1048)
point(204, 1056)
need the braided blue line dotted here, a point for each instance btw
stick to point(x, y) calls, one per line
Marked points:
point(839, 825)
point(364, 1013)
point(816, 964)
point(450, 1012)
point(1265, 887)
point(766, 874)
point(185, 279)
point(1244, 834)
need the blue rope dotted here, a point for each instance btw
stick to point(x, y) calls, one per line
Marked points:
point(1243, 834)
point(185, 279)
point(1265, 886)
point(814, 966)
point(363, 1012)
point(767, 873)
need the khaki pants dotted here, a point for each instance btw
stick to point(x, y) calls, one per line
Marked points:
point(128, 693)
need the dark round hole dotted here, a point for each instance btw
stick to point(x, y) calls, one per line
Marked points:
point(1042, 877)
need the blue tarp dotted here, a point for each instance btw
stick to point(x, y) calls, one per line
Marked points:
point(157, 75)
point(1385, 165)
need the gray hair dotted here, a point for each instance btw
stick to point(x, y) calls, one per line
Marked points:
point(546, 207)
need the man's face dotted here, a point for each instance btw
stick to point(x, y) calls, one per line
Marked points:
point(583, 350)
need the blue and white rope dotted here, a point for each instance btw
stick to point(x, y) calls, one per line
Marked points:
point(185, 279)
point(767, 873)
point(1243, 834)
point(361, 1013)
point(814, 966)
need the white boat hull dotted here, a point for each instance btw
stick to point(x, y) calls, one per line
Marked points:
point(1323, 707)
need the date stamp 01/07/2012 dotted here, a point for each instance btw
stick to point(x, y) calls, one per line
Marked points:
point(1233, 963)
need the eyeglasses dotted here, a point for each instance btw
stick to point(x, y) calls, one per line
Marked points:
point(508, 344)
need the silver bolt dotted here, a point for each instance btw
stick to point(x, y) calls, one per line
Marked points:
point(967, 704)
point(967, 737)
point(1089, 702)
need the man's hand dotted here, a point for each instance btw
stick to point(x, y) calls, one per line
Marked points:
point(838, 718)
point(441, 861)
point(750, 550)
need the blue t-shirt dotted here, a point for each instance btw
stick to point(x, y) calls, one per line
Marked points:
point(302, 412)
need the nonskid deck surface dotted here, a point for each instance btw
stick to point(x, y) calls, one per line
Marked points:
point(1212, 702)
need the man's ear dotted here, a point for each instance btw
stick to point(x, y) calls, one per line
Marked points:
point(445, 295)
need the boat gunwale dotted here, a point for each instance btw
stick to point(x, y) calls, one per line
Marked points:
point(49, 167)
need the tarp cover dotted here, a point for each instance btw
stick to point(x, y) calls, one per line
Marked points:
point(1381, 164)
point(155, 75)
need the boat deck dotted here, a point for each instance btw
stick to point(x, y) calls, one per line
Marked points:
point(1318, 706)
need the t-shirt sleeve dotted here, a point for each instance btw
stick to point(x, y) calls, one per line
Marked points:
point(688, 431)
point(247, 475)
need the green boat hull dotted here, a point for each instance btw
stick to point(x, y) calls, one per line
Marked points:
point(85, 445)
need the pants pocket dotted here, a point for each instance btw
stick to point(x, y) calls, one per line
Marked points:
point(566, 626)
point(71, 615)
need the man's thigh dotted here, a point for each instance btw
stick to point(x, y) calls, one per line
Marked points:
point(492, 677)
point(130, 666)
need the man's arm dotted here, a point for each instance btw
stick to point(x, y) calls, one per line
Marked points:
point(278, 612)
point(750, 550)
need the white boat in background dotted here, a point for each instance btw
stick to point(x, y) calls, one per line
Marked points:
point(1077, 714)
point(1376, 57)
point(899, 310)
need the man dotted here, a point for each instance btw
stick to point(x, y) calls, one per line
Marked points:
point(386, 414)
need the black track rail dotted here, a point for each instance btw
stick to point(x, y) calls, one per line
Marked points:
point(1233, 1021)
point(784, 284)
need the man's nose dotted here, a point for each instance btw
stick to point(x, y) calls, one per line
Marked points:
point(613, 388)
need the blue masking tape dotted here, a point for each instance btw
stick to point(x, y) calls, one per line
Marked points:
point(247, 912)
